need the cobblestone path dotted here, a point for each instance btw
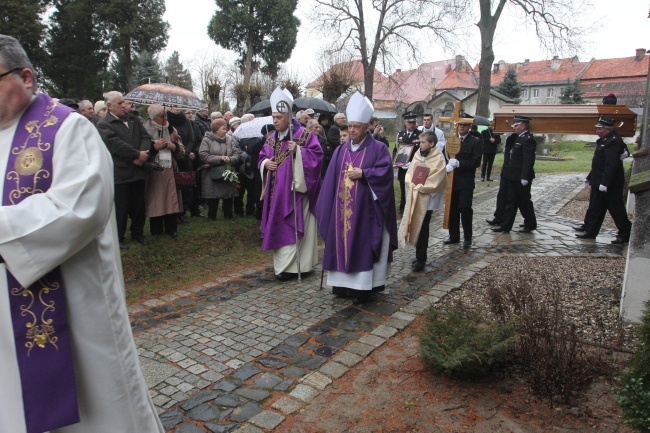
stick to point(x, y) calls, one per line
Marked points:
point(240, 353)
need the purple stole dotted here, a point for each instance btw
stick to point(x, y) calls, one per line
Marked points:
point(38, 312)
point(345, 200)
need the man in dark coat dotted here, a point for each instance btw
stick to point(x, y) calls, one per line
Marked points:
point(491, 142)
point(129, 145)
point(518, 171)
point(464, 166)
point(409, 135)
point(607, 179)
point(502, 195)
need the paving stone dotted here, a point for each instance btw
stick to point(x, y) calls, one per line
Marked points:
point(330, 340)
point(171, 419)
point(198, 399)
point(245, 412)
point(271, 362)
point(397, 324)
point(267, 419)
point(246, 372)
point(228, 400)
point(204, 412)
point(188, 428)
point(316, 380)
point(347, 358)
point(287, 405)
point(325, 351)
point(319, 329)
point(360, 349)
point(334, 369)
point(268, 380)
point(284, 385)
point(226, 385)
point(296, 340)
point(254, 394)
point(304, 393)
point(248, 428)
point(284, 350)
point(313, 363)
point(384, 331)
point(219, 428)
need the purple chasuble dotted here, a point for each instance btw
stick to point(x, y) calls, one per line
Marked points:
point(277, 224)
point(38, 312)
point(350, 221)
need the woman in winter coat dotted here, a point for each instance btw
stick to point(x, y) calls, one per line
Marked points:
point(218, 148)
point(162, 197)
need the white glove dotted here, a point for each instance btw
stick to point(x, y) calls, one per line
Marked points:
point(450, 167)
point(602, 188)
point(586, 182)
point(454, 162)
point(524, 182)
point(406, 167)
point(624, 155)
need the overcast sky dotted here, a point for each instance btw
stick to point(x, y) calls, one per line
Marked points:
point(621, 27)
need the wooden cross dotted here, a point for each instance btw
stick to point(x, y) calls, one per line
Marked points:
point(452, 148)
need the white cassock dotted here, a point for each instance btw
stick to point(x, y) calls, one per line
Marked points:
point(72, 226)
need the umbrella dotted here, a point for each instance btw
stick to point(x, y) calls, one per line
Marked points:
point(263, 107)
point(252, 128)
point(480, 120)
point(164, 94)
point(316, 104)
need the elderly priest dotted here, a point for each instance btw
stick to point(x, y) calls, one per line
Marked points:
point(356, 209)
point(290, 165)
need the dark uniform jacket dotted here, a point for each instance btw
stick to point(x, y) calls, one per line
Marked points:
point(489, 147)
point(124, 143)
point(606, 165)
point(519, 157)
point(469, 158)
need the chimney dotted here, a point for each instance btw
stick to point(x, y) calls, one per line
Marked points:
point(555, 63)
point(460, 63)
point(495, 68)
point(398, 70)
point(526, 61)
point(640, 54)
point(448, 68)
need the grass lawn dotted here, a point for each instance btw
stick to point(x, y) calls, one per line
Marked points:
point(205, 250)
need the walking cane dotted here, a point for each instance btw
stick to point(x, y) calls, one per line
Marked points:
point(295, 210)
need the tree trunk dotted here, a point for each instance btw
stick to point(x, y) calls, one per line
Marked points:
point(487, 26)
point(128, 67)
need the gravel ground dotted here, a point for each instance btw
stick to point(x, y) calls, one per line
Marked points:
point(577, 208)
point(589, 288)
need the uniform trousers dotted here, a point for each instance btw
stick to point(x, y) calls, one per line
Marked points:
point(601, 202)
point(488, 160)
point(519, 198)
point(460, 211)
point(502, 201)
point(129, 203)
point(401, 176)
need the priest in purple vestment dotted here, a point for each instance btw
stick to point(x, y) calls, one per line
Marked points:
point(290, 164)
point(356, 209)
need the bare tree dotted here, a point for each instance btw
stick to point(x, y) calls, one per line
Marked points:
point(553, 20)
point(337, 74)
point(382, 30)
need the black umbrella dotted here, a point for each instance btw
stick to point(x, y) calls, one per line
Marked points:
point(164, 94)
point(263, 107)
point(316, 104)
point(480, 120)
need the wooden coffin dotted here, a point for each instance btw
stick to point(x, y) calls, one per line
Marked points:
point(565, 119)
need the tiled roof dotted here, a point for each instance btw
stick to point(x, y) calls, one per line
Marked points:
point(543, 71)
point(617, 68)
point(459, 80)
point(354, 68)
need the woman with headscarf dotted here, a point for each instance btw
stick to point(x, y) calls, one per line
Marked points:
point(217, 149)
point(161, 196)
point(99, 111)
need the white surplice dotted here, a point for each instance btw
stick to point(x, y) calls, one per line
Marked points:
point(72, 225)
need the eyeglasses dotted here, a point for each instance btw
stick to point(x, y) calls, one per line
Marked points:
point(10, 72)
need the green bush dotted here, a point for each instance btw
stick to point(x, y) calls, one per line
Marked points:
point(540, 139)
point(460, 343)
point(633, 397)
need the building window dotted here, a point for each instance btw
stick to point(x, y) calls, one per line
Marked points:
point(535, 93)
point(525, 94)
point(549, 92)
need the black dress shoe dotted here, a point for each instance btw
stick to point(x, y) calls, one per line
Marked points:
point(620, 241)
point(490, 180)
point(450, 241)
point(467, 243)
point(492, 222)
point(522, 225)
point(174, 234)
point(340, 291)
point(123, 246)
point(580, 228)
point(285, 276)
point(418, 266)
point(198, 215)
point(500, 229)
point(526, 230)
point(585, 236)
point(152, 166)
point(141, 239)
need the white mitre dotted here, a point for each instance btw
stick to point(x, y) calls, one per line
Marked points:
point(359, 109)
point(281, 101)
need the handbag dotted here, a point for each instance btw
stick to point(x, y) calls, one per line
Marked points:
point(185, 179)
point(217, 173)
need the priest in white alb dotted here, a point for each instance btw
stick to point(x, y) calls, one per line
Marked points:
point(67, 356)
